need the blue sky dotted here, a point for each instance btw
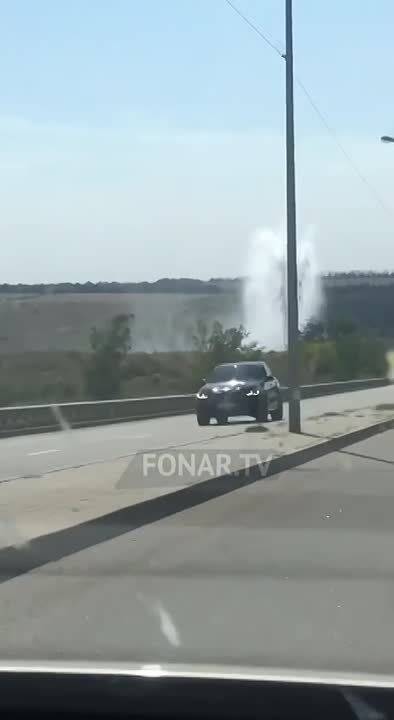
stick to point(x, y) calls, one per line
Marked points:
point(142, 139)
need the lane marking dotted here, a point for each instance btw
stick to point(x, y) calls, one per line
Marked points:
point(43, 452)
point(8, 479)
point(119, 436)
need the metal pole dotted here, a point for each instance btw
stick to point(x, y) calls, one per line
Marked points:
point(292, 282)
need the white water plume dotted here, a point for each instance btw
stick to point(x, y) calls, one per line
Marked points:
point(265, 293)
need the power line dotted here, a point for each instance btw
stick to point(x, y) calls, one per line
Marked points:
point(344, 152)
point(254, 27)
point(318, 112)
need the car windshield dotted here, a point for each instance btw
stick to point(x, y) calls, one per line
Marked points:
point(236, 372)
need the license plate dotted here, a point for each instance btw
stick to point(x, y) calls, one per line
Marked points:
point(225, 404)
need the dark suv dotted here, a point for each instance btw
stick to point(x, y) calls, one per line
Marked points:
point(244, 388)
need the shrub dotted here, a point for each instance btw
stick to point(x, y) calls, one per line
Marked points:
point(349, 357)
point(107, 364)
point(222, 345)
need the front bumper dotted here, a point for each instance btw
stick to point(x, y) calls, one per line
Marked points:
point(231, 404)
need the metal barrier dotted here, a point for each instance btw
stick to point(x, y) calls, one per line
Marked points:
point(332, 388)
point(26, 419)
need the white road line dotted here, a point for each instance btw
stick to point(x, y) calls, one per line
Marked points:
point(8, 479)
point(117, 436)
point(43, 452)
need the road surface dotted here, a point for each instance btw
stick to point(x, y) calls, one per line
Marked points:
point(295, 571)
point(34, 455)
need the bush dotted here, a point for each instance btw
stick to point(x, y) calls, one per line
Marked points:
point(359, 357)
point(106, 366)
point(222, 345)
point(320, 359)
point(376, 361)
point(348, 357)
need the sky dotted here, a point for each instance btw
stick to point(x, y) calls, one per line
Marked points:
point(145, 139)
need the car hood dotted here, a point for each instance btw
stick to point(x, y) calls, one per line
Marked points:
point(165, 690)
point(200, 670)
point(219, 387)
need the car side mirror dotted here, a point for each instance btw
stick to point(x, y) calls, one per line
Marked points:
point(204, 380)
point(269, 377)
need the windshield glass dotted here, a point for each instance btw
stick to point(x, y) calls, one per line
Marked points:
point(236, 372)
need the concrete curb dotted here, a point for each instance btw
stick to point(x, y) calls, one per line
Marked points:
point(332, 444)
point(63, 543)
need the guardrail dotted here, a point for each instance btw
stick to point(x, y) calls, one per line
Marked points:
point(332, 388)
point(29, 419)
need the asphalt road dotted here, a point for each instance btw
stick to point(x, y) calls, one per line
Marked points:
point(295, 571)
point(34, 455)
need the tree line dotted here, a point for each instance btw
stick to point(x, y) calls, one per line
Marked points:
point(164, 285)
point(340, 352)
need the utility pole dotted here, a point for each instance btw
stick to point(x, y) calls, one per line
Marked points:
point(292, 281)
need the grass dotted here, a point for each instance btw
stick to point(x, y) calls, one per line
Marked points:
point(56, 329)
point(50, 377)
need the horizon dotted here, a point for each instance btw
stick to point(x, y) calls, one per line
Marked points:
point(341, 273)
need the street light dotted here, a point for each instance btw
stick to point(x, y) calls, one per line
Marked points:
point(387, 139)
point(292, 281)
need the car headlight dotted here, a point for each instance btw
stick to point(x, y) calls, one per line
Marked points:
point(253, 392)
point(202, 395)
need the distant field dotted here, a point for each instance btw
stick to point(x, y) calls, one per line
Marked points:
point(163, 322)
point(44, 338)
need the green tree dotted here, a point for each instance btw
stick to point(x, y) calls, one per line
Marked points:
point(225, 345)
point(375, 363)
point(313, 330)
point(222, 345)
point(200, 337)
point(343, 328)
point(106, 366)
point(359, 357)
